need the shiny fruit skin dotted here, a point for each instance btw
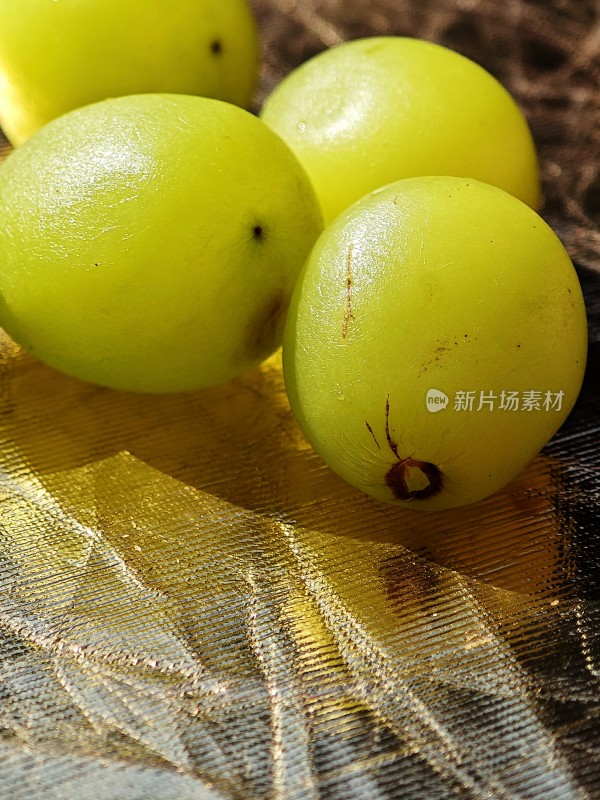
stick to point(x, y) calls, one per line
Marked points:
point(443, 284)
point(375, 110)
point(60, 55)
point(152, 242)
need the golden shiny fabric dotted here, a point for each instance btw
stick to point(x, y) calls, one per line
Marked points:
point(193, 606)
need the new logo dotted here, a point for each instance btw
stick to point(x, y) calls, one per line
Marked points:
point(436, 400)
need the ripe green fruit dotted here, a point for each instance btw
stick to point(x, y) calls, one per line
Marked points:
point(152, 242)
point(372, 111)
point(56, 56)
point(435, 342)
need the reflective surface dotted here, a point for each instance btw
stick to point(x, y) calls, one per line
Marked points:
point(193, 606)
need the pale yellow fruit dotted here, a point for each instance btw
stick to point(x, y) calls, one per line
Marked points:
point(435, 342)
point(375, 110)
point(152, 242)
point(56, 55)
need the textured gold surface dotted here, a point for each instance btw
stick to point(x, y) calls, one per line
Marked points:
point(193, 606)
point(186, 587)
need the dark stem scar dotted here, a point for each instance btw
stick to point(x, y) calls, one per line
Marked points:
point(257, 231)
point(397, 479)
point(370, 429)
point(348, 315)
point(398, 476)
point(216, 47)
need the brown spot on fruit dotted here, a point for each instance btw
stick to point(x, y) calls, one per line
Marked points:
point(370, 429)
point(437, 356)
point(216, 47)
point(348, 315)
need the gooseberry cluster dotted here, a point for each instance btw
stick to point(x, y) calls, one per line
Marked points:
point(436, 337)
